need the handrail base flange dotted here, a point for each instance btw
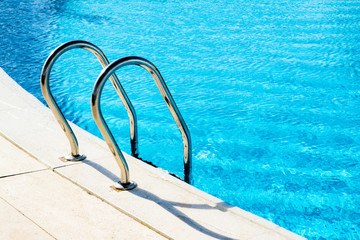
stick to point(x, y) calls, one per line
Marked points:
point(72, 158)
point(118, 186)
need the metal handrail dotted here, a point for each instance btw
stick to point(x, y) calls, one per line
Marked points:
point(104, 129)
point(45, 88)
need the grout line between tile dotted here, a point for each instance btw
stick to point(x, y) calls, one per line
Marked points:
point(22, 173)
point(27, 217)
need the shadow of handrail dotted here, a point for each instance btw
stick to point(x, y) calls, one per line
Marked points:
point(169, 206)
point(103, 170)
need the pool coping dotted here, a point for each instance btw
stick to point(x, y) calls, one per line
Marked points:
point(184, 211)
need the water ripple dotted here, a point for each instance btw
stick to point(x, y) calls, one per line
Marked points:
point(269, 90)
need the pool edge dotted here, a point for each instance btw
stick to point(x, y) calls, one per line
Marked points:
point(21, 100)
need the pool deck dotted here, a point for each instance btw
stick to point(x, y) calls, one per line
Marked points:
point(42, 197)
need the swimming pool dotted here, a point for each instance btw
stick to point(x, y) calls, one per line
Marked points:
point(269, 90)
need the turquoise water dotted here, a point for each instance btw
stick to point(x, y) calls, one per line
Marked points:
point(269, 90)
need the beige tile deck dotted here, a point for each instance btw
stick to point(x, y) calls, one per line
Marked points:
point(66, 211)
point(14, 225)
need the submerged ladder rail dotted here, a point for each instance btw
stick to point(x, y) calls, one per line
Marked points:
point(45, 88)
point(104, 129)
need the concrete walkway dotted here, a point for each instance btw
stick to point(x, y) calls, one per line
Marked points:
point(42, 197)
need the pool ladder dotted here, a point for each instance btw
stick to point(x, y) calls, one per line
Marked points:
point(109, 72)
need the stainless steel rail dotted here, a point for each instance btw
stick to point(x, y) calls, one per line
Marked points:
point(97, 114)
point(45, 88)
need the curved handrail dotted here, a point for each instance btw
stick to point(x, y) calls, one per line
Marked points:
point(45, 88)
point(97, 114)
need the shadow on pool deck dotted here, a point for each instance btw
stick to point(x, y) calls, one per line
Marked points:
point(168, 205)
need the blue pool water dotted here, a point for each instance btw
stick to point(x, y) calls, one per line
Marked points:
point(269, 89)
